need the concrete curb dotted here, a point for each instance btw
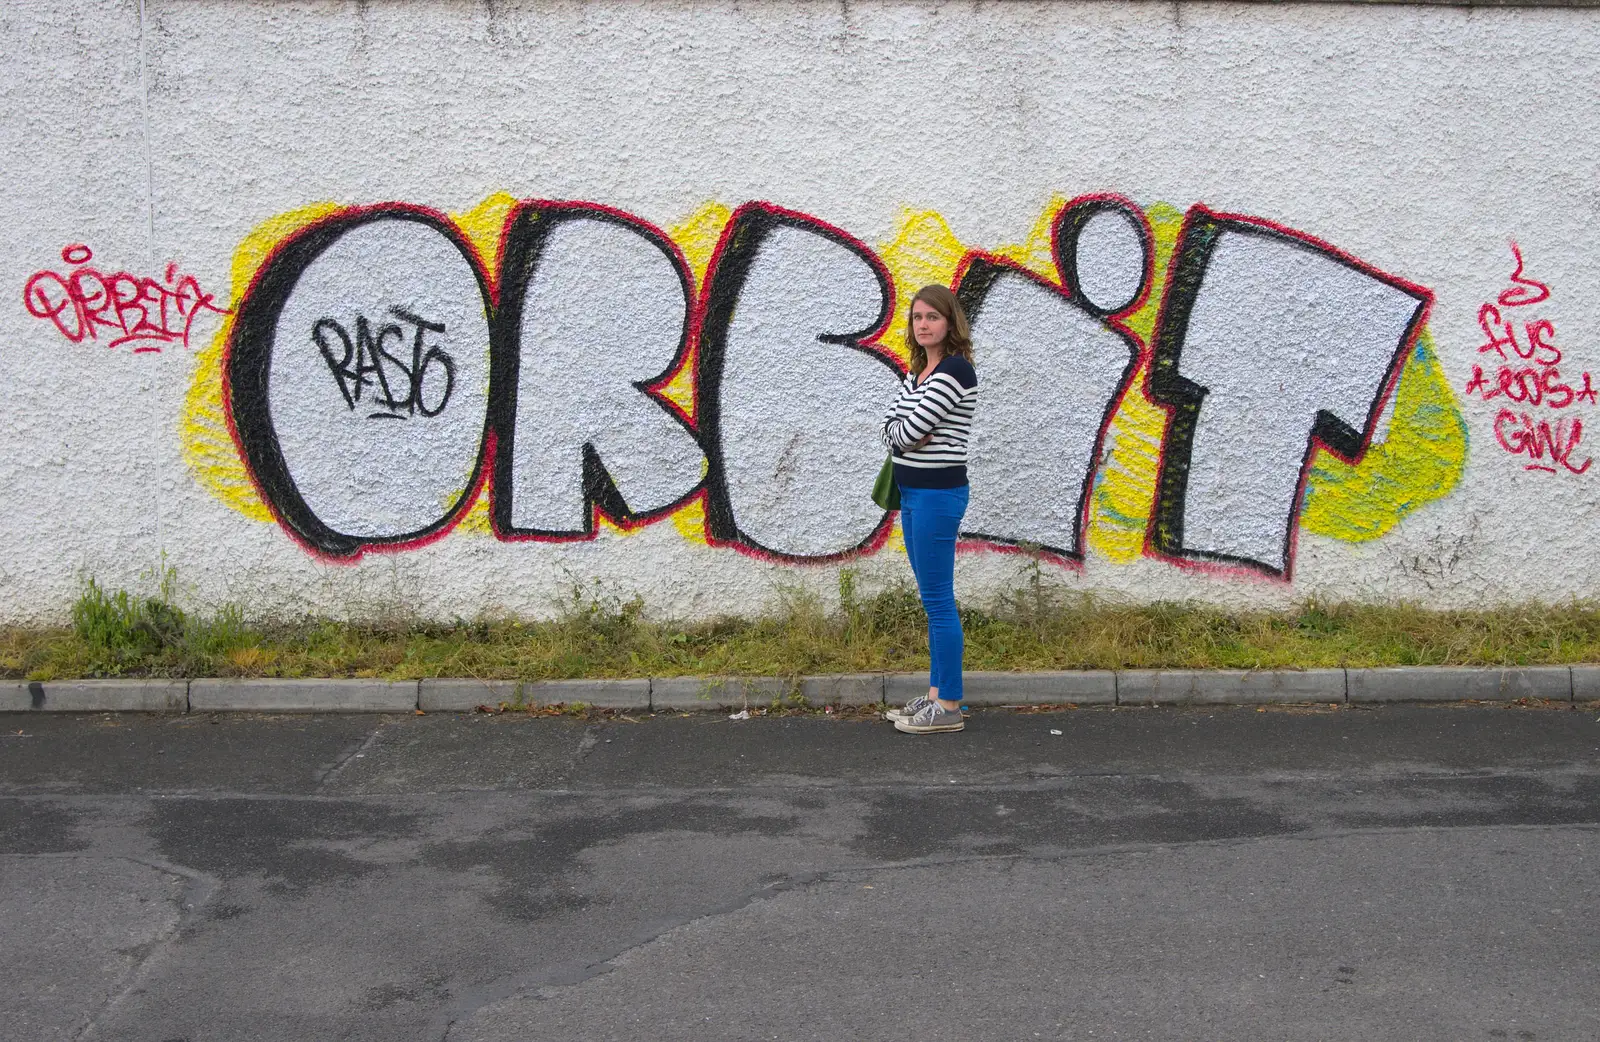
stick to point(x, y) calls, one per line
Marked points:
point(447, 695)
point(1229, 686)
point(456, 695)
point(303, 696)
point(847, 689)
point(1586, 683)
point(1450, 684)
point(1079, 687)
point(96, 696)
point(682, 694)
point(602, 694)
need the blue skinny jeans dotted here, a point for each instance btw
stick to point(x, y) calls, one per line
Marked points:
point(930, 519)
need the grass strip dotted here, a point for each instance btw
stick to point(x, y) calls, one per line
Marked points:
point(1038, 627)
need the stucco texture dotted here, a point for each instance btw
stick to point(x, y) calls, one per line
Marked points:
point(441, 308)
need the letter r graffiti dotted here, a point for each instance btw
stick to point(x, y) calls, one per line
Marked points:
point(1270, 343)
point(594, 311)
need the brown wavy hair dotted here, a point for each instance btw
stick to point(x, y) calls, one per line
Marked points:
point(958, 334)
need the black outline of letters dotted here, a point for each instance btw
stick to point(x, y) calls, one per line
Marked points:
point(247, 364)
point(1181, 397)
point(979, 272)
point(738, 249)
point(526, 231)
point(1069, 226)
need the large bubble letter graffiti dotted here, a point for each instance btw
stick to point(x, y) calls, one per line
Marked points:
point(1270, 343)
point(358, 376)
point(790, 398)
point(370, 372)
point(1053, 372)
point(594, 314)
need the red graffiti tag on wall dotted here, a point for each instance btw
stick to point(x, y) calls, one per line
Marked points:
point(86, 304)
point(1530, 376)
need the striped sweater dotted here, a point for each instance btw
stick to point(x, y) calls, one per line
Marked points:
point(941, 406)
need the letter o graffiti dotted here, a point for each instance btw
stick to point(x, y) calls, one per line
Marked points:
point(358, 379)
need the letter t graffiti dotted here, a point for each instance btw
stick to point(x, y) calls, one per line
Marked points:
point(1270, 344)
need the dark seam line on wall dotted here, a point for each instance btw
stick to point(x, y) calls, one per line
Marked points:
point(149, 169)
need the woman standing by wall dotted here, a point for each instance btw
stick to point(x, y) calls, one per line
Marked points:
point(927, 431)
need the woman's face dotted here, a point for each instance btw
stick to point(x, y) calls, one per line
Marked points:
point(927, 325)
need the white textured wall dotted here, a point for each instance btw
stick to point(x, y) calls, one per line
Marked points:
point(1421, 141)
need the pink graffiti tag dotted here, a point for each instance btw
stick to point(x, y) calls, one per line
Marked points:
point(85, 304)
point(1525, 291)
point(1534, 385)
point(1518, 434)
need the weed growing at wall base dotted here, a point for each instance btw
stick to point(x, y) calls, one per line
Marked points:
point(117, 633)
point(1035, 627)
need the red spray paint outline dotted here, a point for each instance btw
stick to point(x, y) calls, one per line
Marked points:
point(869, 342)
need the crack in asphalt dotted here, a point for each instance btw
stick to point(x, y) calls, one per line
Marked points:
point(358, 749)
point(1405, 796)
point(198, 889)
point(573, 972)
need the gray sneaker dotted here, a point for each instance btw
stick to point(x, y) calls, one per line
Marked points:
point(931, 719)
point(907, 711)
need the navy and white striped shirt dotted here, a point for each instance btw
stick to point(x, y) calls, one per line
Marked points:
point(943, 406)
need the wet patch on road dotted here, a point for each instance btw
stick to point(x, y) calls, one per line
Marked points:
point(290, 842)
point(38, 827)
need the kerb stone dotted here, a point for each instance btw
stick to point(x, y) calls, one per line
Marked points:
point(96, 696)
point(1456, 683)
point(601, 694)
point(455, 695)
point(1586, 683)
point(983, 688)
point(848, 689)
point(1229, 686)
point(303, 696)
point(695, 693)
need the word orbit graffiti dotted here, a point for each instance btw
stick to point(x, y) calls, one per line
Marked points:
point(1530, 377)
point(547, 382)
point(129, 310)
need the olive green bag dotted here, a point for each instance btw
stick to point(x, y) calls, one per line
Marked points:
point(885, 492)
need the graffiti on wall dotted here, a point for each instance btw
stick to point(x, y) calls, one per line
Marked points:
point(1194, 386)
point(579, 423)
point(126, 310)
point(1059, 364)
point(1537, 404)
point(1272, 346)
point(317, 425)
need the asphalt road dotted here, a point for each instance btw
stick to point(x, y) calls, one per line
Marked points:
point(1396, 873)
